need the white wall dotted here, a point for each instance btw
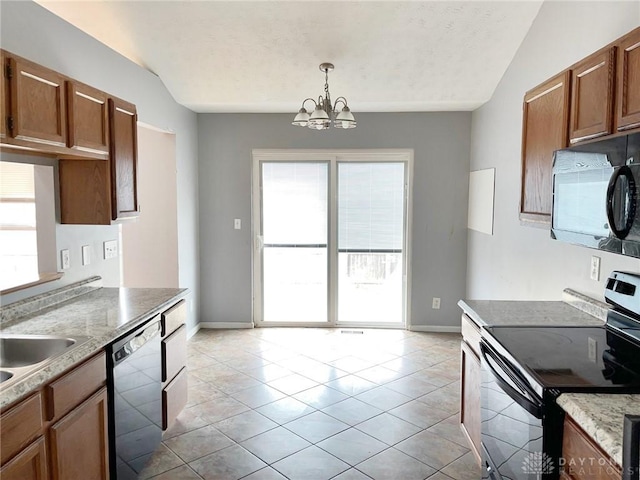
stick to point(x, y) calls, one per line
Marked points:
point(520, 262)
point(33, 32)
point(441, 175)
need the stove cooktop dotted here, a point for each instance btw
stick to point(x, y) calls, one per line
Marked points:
point(573, 358)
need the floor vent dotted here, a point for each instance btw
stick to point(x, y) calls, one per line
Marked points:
point(352, 331)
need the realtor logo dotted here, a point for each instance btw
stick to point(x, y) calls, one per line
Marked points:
point(537, 463)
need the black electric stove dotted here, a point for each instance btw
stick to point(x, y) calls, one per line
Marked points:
point(525, 368)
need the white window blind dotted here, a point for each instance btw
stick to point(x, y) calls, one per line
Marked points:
point(294, 210)
point(370, 207)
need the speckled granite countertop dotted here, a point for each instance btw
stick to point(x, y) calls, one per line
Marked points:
point(103, 314)
point(488, 313)
point(601, 417)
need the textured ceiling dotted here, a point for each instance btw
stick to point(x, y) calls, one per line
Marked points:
point(241, 56)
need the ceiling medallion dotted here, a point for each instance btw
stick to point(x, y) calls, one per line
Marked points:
point(324, 114)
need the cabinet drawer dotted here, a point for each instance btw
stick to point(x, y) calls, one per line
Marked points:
point(77, 385)
point(174, 353)
point(470, 333)
point(174, 317)
point(20, 425)
point(174, 398)
point(31, 463)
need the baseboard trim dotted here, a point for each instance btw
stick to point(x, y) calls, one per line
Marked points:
point(226, 325)
point(193, 331)
point(434, 329)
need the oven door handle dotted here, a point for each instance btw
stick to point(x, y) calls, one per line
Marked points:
point(523, 397)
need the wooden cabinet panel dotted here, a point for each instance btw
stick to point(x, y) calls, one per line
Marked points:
point(30, 464)
point(592, 82)
point(88, 116)
point(85, 196)
point(174, 398)
point(174, 353)
point(124, 158)
point(5, 111)
point(38, 107)
point(65, 393)
point(470, 334)
point(583, 459)
point(470, 399)
point(544, 130)
point(19, 426)
point(174, 317)
point(79, 442)
point(628, 82)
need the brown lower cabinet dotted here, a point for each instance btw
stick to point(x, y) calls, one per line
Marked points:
point(582, 459)
point(174, 362)
point(59, 432)
point(470, 378)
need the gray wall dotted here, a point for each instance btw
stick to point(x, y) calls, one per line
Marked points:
point(520, 262)
point(441, 148)
point(33, 32)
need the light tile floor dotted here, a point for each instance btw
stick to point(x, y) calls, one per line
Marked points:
point(318, 404)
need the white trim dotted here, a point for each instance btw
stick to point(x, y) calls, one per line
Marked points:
point(231, 325)
point(434, 329)
point(193, 331)
point(154, 128)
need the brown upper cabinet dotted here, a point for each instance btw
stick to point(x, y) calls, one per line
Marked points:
point(97, 192)
point(123, 121)
point(598, 96)
point(628, 86)
point(544, 129)
point(88, 118)
point(37, 103)
point(592, 82)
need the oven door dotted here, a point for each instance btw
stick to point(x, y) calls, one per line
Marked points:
point(512, 423)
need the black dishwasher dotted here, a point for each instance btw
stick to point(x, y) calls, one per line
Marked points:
point(135, 400)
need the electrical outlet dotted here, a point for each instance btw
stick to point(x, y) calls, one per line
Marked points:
point(595, 268)
point(237, 223)
point(110, 249)
point(65, 259)
point(86, 254)
point(435, 304)
point(593, 350)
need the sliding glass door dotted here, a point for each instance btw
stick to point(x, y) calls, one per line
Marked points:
point(331, 238)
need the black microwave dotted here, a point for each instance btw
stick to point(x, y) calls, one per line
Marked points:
point(595, 195)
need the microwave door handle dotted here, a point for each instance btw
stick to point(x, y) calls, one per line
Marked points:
point(625, 172)
point(521, 398)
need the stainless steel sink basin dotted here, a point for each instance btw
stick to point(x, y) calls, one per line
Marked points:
point(21, 351)
point(22, 355)
point(4, 375)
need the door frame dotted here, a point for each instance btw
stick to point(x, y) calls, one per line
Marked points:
point(332, 156)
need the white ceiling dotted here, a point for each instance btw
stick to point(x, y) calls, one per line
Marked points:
point(263, 56)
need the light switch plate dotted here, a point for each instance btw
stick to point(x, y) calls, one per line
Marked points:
point(595, 268)
point(65, 259)
point(110, 249)
point(237, 223)
point(86, 254)
point(435, 304)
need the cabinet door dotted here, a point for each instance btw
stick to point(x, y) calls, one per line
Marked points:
point(30, 464)
point(544, 129)
point(628, 81)
point(38, 107)
point(88, 118)
point(174, 398)
point(583, 458)
point(79, 441)
point(124, 159)
point(470, 399)
point(4, 98)
point(592, 83)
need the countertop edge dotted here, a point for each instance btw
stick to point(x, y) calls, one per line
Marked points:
point(607, 434)
point(62, 363)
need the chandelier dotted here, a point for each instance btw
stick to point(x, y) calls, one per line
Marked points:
point(324, 114)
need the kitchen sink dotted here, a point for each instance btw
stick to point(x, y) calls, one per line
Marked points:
point(4, 375)
point(21, 355)
point(24, 350)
